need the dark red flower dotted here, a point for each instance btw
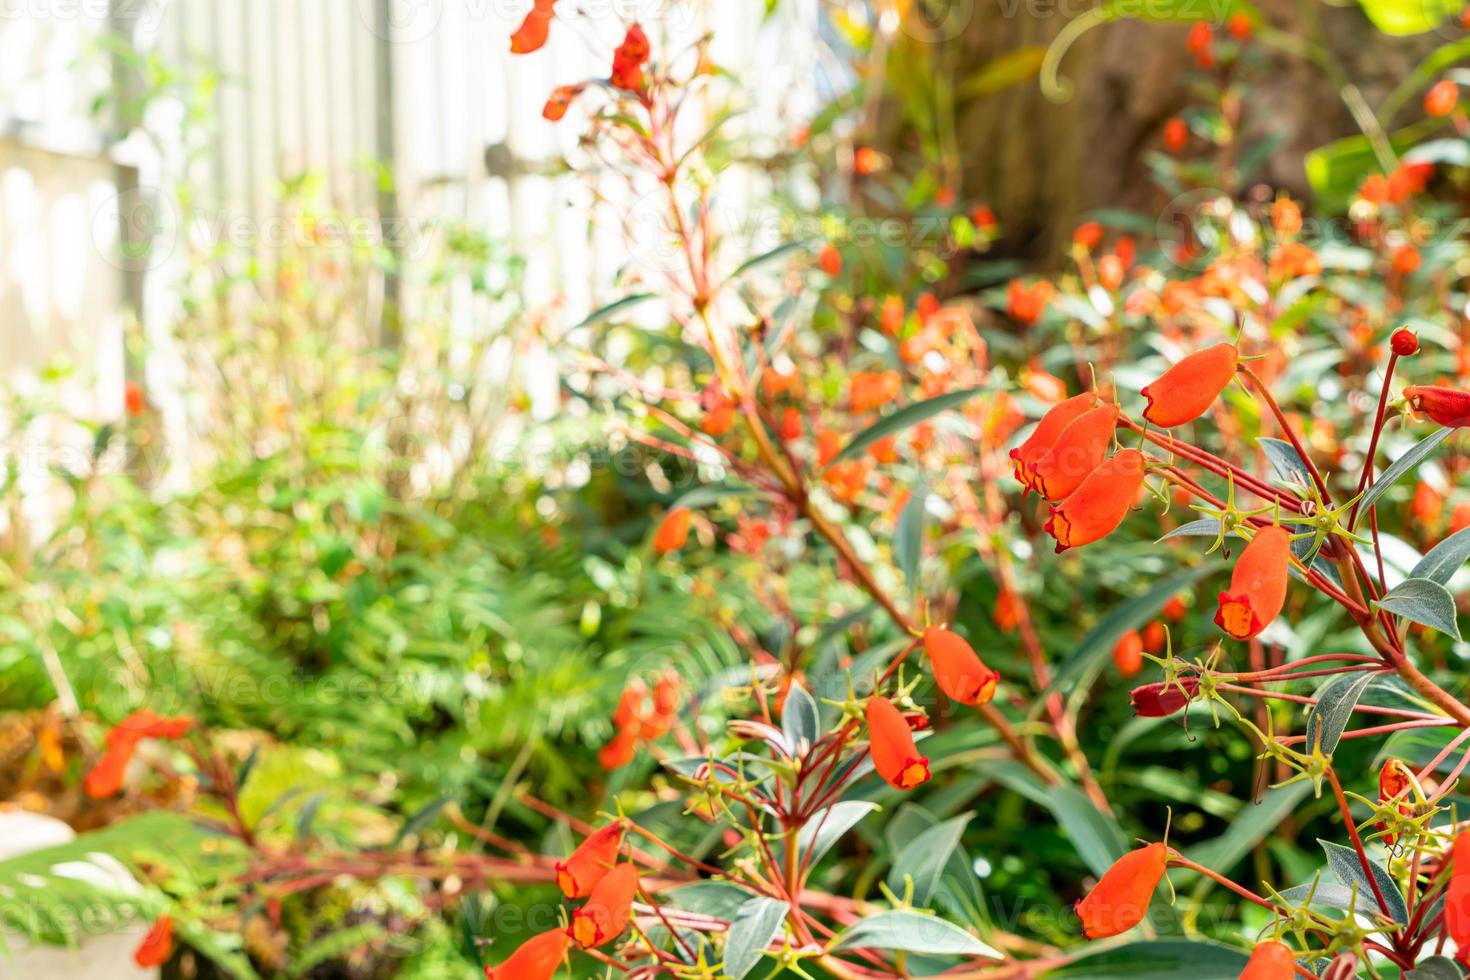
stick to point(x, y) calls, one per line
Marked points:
point(1405, 342)
point(1163, 699)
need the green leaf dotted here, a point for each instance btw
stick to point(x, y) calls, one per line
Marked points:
point(827, 826)
point(1400, 466)
point(925, 858)
point(1331, 895)
point(1423, 601)
point(1250, 827)
point(799, 719)
point(1208, 527)
point(903, 418)
point(1158, 959)
point(1286, 461)
point(1336, 169)
point(617, 306)
point(1096, 836)
point(1404, 17)
point(914, 932)
point(719, 899)
point(752, 931)
point(421, 819)
point(770, 256)
point(1327, 719)
point(908, 539)
point(1349, 870)
point(1003, 72)
point(1444, 559)
point(1436, 968)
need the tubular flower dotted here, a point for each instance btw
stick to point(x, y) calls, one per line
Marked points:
point(605, 915)
point(532, 33)
point(1119, 901)
point(958, 671)
point(1442, 99)
point(673, 531)
point(538, 958)
point(1457, 896)
point(830, 259)
point(1025, 304)
point(1128, 653)
point(629, 59)
point(1450, 407)
point(106, 778)
point(1398, 785)
point(620, 751)
point(1098, 506)
point(1270, 961)
point(1164, 698)
point(590, 862)
point(560, 101)
point(1185, 391)
point(891, 743)
point(1046, 433)
point(158, 945)
point(1257, 586)
point(1078, 451)
point(134, 400)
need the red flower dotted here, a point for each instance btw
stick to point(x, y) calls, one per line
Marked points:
point(1240, 25)
point(1024, 303)
point(532, 33)
point(1176, 134)
point(106, 778)
point(560, 101)
point(1175, 609)
point(1007, 611)
point(606, 913)
point(629, 59)
point(1119, 901)
point(1450, 407)
point(891, 743)
point(134, 401)
point(620, 751)
point(538, 958)
point(1257, 585)
point(1163, 699)
point(158, 945)
point(1078, 451)
point(1046, 433)
point(1405, 260)
point(1185, 391)
point(590, 862)
point(982, 217)
point(870, 390)
point(957, 669)
point(1088, 235)
point(1396, 783)
point(1099, 505)
point(1155, 637)
point(1128, 653)
point(1286, 217)
point(791, 424)
point(1405, 342)
point(867, 160)
point(1457, 896)
point(673, 531)
point(1270, 961)
point(1443, 99)
point(830, 259)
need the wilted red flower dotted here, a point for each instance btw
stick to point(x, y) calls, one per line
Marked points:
point(590, 862)
point(1128, 653)
point(957, 669)
point(629, 59)
point(1024, 303)
point(1188, 389)
point(1088, 235)
point(1442, 99)
point(620, 751)
point(532, 33)
point(891, 744)
point(1270, 961)
point(1450, 407)
point(1457, 896)
point(1164, 698)
point(830, 259)
point(1098, 506)
point(538, 958)
point(1047, 431)
point(1404, 342)
point(1176, 134)
point(134, 401)
point(673, 531)
point(560, 101)
point(869, 390)
point(1120, 899)
point(158, 945)
point(1239, 25)
point(1078, 451)
point(606, 913)
point(1257, 585)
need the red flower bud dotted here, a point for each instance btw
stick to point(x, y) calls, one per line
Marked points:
point(1099, 505)
point(1088, 235)
point(532, 33)
point(1164, 698)
point(830, 259)
point(1457, 896)
point(1270, 961)
point(891, 743)
point(629, 58)
point(1240, 25)
point(1080, 449)
point(590, 862)
point(673, 531)
point(1449, 407)
point(1046, 433)
point(1397, 784)
point(1176, 134)
point(1119, 901)
point(158, 945)
point(1343, 967)
point(606, 913)
point(1442, 99)
point(134, 400)
point(1185, 391)
point(1155, 637)
point(1257, 585)
point(1128, 653)
point(1405, 342)
point(538, 958)
point(957, 669)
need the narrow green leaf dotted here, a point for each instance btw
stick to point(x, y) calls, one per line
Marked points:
point(925, 858)
point(914, 932)
point(770, 256)
point(751, 932)
point(1445, 558)
point(1400, 466)
point(799, 719)
point(1208, 527)
point(903, 418)
point(1423, 601)
point(1436, 968)
point(1286, 461)
point(1159, 959)
point(617, 306)
point(1327, 719)
point(1096, 836)
point(1349, 870)
point(908, 540)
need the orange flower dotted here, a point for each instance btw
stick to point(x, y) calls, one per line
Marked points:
point(871, 390)
point(106, 778)
point(1442, 99)
point(1119, 901)
point(1088, 235)
point(847, 480)
point(1025, 304)
point(885, 450)
point(1046, 433)
point(629, 59)
point(1457, 896)
point(620, 751)
point(791, 426)
point(1078, 451)
point(134, 401)
point(673, 531)
point(1007, 611)
point(891, 315)
point(1450, 407)
point(830, 259)
point(538, 958)
point(867, 160)
point(926, 306)
point(1099, 505)
point(1270, 961)
point(1405, 260)
point(532, 33)
point(590, 862)
point(1176, 134)
point(891, 743)
point(1239, 25)
point(1286, 217)
point(1110, 270)
point(1460, 517)
point(719, 413)
point(982, 217)
point(1155, 636)
point(1175, 609)
point(1427, 505)
point(606, 913)
point(1200, 36)
point(158, 945)
point(829, 444)
point(1257, 585)
point(1397, 784)
point(560, 101)
point(1128, 653)
point(1185, 391)
point(958, 671)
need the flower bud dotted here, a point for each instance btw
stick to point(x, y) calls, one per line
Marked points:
point(1099, 505)
point(1405, 342)
point(158, 945)
point(1119, 901)
point(891, 744)
point(1442, 99)
point(1080, 449)
point(1343, 967)
point(673, 531)
point(532, 33)
point(957, 669)
point(538, 958)
point(1257, 585)
point(590, 862)
point(1450, 407)
point(1185, 391)
point(1046, 433)
point(608, 907)
point(1128, 653)
point(1270, 961)
point(1164, 698)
